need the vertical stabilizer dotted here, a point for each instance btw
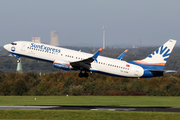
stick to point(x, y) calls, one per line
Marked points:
point(159, 57)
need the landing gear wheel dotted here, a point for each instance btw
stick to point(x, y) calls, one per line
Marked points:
point(86, 74)
point(80, 74)
point(83, 74)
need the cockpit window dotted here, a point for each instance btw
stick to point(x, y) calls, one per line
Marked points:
point(14, 43)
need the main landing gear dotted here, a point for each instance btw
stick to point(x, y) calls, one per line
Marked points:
point(83, 74)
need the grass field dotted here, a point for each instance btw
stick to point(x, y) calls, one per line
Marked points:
point(86, 115)
point(135, 101)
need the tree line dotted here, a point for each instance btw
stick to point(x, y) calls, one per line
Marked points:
point(63, 83)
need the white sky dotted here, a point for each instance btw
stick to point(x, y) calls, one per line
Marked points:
point(80, 22)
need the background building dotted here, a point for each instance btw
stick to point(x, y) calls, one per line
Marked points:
point(54, 38)
point(36, 39)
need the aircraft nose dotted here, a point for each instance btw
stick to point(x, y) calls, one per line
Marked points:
point(7, 47)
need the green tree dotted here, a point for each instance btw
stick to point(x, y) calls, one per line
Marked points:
point(5, 88)
point(170, 90)
point(2, 76)
point(20, 87)
point(76, 90)
point(89, 87)
point(36, 82)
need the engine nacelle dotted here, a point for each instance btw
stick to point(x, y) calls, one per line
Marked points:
point(62, 65)
point(14, 55)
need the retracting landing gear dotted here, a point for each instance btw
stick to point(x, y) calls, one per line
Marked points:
point(83, 74)
point(86, 74)
point(80, 74)
point(18, 60)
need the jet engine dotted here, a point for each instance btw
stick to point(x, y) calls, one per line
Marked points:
point(62, 65)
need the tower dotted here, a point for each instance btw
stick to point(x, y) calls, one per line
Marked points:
point(103, 37)
point(54, 38)
point(19, 66)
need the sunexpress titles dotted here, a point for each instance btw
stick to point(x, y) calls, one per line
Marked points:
point(43, 47)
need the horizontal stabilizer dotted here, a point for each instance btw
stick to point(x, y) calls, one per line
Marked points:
point(161, 72)
point(170, 71)
point(157, 72)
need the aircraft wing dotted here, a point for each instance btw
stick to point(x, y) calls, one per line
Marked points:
point(122, 55)
point(86, 63)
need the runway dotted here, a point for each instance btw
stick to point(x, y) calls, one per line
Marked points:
point(110, 108)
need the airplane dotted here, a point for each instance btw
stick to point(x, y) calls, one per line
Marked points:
point(67, 59)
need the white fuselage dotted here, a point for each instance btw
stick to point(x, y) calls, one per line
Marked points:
point(50, 53)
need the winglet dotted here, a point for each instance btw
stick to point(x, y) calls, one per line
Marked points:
point(100, 49)
point(122, 55)
point(97, 54)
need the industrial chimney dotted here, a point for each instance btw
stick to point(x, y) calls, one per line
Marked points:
point(54, 38)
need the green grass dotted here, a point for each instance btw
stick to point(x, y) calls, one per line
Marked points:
point(86, 115)
point(156, 101)
point(136, 101)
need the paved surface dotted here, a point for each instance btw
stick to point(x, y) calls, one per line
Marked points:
point(26, 107)
point(152, 109)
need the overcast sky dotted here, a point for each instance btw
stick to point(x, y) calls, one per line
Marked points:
point(80, 22)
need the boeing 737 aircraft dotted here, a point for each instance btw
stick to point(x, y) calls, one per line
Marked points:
point(67, 59)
